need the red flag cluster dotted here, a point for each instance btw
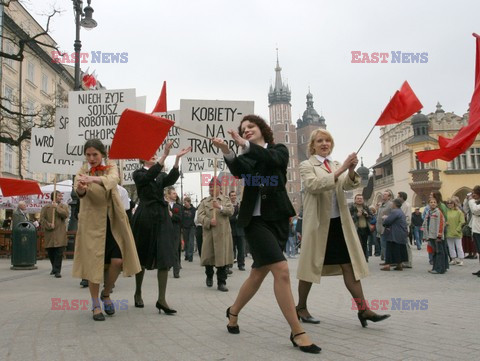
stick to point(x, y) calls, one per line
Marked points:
point(17, 187)
point(138, 134)
point(452, 148)
point(403, 104)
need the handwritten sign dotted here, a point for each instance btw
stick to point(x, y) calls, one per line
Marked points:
point(42, 159)
point(128, 167)
point(198, 164)
point(212, 119)
point(95, 114)
point(173, 134)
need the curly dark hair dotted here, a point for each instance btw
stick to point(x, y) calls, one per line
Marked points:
point(96, 144)
point(438, 196)
point(266, 131)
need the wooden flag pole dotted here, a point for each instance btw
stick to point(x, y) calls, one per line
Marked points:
point(192, 132)
point(54, 199)
point(371, 130)
point(214, 186)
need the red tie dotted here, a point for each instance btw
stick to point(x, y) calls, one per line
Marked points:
point(325, 162)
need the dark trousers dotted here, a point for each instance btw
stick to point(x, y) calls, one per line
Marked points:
point(221, 274)
point(55, 254)
point(199, 238)
point(363, 235)
point(440, 256)
point(188, 239)
point(177, 246)
point(239, 250)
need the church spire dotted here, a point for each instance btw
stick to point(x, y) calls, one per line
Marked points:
point(280, 92)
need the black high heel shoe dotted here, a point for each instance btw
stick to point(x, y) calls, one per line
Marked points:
point(308, 319)
point(138, 303)
point(308, 349)
point(373, 318)
point(109, 308)
point(168, 311)
point(98, 316)
point(232, 329)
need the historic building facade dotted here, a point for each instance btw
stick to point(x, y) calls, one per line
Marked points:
point(398, 169)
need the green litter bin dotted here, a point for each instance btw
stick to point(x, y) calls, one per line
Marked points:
point(24, 246)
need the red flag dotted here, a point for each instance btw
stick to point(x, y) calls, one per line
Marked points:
point(403, 104)
point(17, 187)
point(452, 148)
point(138, 135)
point(161, 106)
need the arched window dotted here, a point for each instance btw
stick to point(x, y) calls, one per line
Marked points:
point(287, 138)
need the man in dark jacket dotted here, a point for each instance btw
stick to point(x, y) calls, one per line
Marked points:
point(188, 228)
point(175, 212)
point(417, 222)
point(238, 233)
point(361, 218)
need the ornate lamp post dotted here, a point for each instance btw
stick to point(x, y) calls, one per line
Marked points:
point(84, 19)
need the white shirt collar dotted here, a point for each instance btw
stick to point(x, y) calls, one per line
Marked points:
point(322, 159)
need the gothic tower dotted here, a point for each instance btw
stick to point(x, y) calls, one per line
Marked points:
point(284, 132)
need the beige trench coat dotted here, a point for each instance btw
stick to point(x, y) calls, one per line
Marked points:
point(56, 236)
point(98, 202)
point(319, 187)
point(217, 247)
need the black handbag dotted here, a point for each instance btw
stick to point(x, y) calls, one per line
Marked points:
point(466, 230)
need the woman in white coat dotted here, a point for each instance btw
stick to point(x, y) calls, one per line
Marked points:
point(330, 244)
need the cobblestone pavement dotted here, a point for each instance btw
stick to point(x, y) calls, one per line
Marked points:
point(446, 329)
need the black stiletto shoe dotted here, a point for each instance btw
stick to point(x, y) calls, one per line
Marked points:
point(308, 349)
point(373, 318)
point(109, 308)
point(168, 311)
point(308, 319)
point(98, 316)
point(138, 301)
point(232, 329)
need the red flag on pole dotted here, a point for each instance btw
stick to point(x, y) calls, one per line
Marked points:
point(18, 187)
point(161, 106)
point(452, 148)
point(138, 135)
point(403, 104)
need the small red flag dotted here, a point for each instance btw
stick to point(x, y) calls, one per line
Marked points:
point(403, 104)
point(18, 187)
point(161, 106)
point(138, 135)
point(452, 148)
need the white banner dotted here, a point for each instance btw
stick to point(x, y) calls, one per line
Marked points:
point(128, 167)
point(173, 134)
point(197, 164)
point(212, 119)
point(95, 114)
point(42, 159)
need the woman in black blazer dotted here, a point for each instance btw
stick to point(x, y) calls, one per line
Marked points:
point(152, 225)
point(264, 214)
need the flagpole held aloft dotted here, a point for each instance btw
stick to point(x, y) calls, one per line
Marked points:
point(368, 135)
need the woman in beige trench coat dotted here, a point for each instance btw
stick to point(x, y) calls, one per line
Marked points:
point(330, 244)
point(104, 235)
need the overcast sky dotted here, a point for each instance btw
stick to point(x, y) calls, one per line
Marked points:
point(220, 49)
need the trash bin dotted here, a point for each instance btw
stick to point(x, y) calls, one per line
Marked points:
point(24, 246)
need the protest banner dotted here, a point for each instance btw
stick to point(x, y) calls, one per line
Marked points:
point(42, 159)
point(128, 167)
point(95, 114)
point(212, 119)
point(174, 133)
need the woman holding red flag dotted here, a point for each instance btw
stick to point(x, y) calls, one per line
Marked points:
point(104, 235)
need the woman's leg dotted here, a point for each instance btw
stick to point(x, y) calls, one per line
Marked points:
point(113, 272)
point(138, 286)
point(355, 289)
point(162, 278)
point(460, 253)
point(303, 291)
point(283, 294)
point(94, 288)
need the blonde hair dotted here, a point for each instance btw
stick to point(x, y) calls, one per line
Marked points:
point(313, 136)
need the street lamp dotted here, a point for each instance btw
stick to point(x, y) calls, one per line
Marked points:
point(84, 19)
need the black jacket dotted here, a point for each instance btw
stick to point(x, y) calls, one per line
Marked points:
point(271, 165)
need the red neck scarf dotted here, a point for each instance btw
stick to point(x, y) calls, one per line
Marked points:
point(98, 168)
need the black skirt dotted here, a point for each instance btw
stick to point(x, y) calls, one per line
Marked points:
point(112, 250)
point(337, 251)
point(396, 253)
point(266, 240)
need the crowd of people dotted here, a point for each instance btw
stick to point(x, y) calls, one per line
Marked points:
point(331, 236)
